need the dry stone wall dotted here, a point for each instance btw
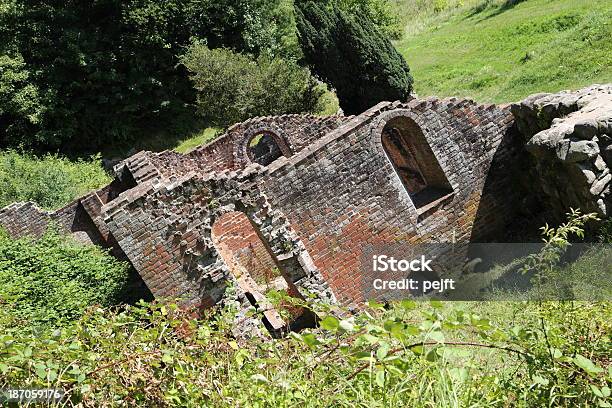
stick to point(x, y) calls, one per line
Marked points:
point(569, 135)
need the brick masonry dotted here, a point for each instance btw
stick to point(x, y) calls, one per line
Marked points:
point(332, 196)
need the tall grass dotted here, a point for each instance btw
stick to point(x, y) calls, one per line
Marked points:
point(419, 15)
point(51, 181)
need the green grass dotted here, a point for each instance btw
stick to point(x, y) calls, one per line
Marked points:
point(494, 52)
point(196, 139)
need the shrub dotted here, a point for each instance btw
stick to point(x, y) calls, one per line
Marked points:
point(51, 181)
point(232, 87)
point(407, 353)
point(495, 354)
point(55, 279)
point(604, 233)
point(352, 56)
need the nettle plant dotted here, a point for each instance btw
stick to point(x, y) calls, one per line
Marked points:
point(545, 263)
point(407, 354)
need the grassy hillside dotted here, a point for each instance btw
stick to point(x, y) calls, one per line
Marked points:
point(497, 52)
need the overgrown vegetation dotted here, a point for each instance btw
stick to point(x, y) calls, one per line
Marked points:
point(232, 87)
point(85, 77)
point(82, 76)
point(52, 280)
point(568, 267)
point(50, 181)
point(352, 56)
point(545, 264)
point(455, 354)
point(107, 74)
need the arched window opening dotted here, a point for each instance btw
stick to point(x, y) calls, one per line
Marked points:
point(415, 163)
point(264, 149)
point(256, 270)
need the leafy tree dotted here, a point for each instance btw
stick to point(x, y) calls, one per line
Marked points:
point(380, 12)
point(350, 54)
point(82, 74)
point(232, 87)
point(20, 105)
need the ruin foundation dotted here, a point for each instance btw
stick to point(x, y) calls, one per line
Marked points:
point(296, 203)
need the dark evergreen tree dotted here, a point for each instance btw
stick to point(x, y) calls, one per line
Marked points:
point(350, 54)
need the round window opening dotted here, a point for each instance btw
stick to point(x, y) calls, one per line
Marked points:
point(264, 149)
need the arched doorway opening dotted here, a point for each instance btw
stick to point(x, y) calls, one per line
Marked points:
point(258, 273)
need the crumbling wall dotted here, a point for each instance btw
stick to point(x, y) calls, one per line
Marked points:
point(82, 218)
point(344, 198)
point(234, 235)
point(229, 151)
point(21, 219)
point(294, 133)
point(165, 230)
point(27, 219)
point(322, 209)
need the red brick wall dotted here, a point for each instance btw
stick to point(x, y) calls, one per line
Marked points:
point(238, 243)
point(251, 261)
point(338, 194)
point(344, 198)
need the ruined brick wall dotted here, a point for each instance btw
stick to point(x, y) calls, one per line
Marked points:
point(238, 242)
point(320, 210)
point(165, 230)
point(82, 218)
point(26, 219)
point(254, 267)
point(343, 197)
point(327, 204)
point(229, 151)
point(293, 132)
point(21, 219)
